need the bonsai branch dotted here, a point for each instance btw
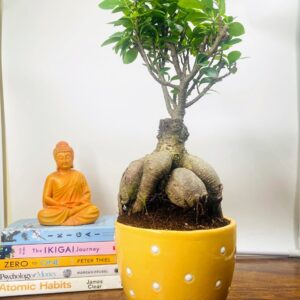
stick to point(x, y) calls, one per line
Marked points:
point(205, 90)
point(168, 101)
point(209, 53)
point(175, 59)
point(186, 62)
point(200, 75)
point(149, 66)
point(195, 83)
point(220, 36)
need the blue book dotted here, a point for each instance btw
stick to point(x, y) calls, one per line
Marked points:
point(29, 231)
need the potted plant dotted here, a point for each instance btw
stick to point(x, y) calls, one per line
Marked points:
point(172, 239)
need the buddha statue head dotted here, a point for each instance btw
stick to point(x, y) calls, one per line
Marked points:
point(63, 155)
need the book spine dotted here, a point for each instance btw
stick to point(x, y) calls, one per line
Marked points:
point(46, 262)
point(58, 273)
point(31, 236)
point(59, 286)
point(50, 250)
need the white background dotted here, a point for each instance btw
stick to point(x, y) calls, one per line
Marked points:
point(1, 188)
point(59, 84)
point(1, 155)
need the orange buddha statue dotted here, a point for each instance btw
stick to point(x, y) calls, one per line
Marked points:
point(67, 196)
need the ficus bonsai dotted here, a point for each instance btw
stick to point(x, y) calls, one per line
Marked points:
point(186, 47)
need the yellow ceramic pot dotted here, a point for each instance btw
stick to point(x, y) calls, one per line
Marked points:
point(176, 265)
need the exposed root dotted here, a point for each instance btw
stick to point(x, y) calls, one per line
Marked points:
point(185, 189)
point(171, 177)
point(205, 172)
point(130, 183)
point(156, 166)
point(210, 178)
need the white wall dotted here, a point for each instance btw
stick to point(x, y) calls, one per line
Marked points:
point(297, 203)
point(60, 84)
point(2, 207)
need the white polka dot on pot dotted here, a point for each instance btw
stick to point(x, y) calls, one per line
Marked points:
point(218, 284)
point(156, 286)
point(155, 249)
point(132, 293)
point(223, 250)
point(128, 272)
point(188, 278)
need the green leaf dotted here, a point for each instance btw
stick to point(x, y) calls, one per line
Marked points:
point(196, 17)
point(157, 12)
point(172, 8)
point(233, 56)
point(228, 19)
point(149, 30)
point(124, 21)
point(236, 29)
point(175, 91)
point(230, 43)
point(210, 72)
point(111, 40)
point(201, 58)
point(122, 9)
point(234, 41)
point(117, 34)
point(222, 6)
point(123, 45)
point(130, 56)
point(207, 80)
point(171, 39)
point(207, 4)
point(176, 77)
point(199, 32)
point(164, 69)
point(191, 4)
point(109, 4)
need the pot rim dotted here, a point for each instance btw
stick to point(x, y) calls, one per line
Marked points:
point(229, 227)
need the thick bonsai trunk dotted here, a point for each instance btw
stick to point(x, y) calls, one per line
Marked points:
point(171, 137)
point(185, 180)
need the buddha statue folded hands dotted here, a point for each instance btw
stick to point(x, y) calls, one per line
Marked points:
point(66, 197)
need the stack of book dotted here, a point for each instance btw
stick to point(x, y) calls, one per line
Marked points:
point(37, 259)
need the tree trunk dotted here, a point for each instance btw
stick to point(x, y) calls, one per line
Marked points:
point(171, 137)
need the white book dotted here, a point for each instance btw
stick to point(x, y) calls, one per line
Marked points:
point(33, 287)
point(58, 273)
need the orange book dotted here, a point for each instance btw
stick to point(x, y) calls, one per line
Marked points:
point(50, 262)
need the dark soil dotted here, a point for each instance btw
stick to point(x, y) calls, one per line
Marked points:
point(161, 214)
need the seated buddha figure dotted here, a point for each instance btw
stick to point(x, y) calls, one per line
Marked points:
point(66, 197)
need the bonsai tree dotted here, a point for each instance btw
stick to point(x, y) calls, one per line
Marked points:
point(186, 47)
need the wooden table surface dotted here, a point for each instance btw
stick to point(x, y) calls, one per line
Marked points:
point(254, 279)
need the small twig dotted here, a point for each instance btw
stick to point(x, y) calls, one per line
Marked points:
point(168, 100)
point(181, 60)
point(205, 90)
point(194, 84)
point(219, 38)
point(188, 62)
point(185, 62)
point(149, 67)
point(203, 45)
point(175, 59)
point(209, 53)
